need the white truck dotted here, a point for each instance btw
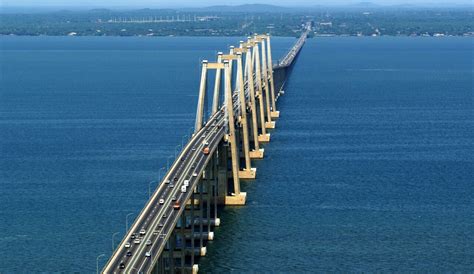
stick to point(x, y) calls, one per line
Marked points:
point(183, 189)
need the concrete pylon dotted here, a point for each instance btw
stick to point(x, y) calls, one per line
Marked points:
point(202, 94)
point(217, 86)
point(248, 172)
point(274, 113)
point(264, 137)
point(258, 152)
point(269, 123)
point(237, 197)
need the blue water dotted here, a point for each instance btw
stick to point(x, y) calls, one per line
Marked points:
point(370, 168)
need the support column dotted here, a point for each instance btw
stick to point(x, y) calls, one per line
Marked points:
point(217, 86)
point(258, 152)
point(248, 172)
point(274, 113)
point(222, 172)
point(171, 242)
point(264, 137)
point(217, 221)
point(202, 94)
point(183, 241)
point(202, 248)
point(237, 197)
point(269, 123)
point(192, 227)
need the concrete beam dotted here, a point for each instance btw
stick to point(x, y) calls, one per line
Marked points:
point(275, 114)
point(264, 138)
point(270, 125)
point(236, 199)
point(257, 154)
point(248, 174)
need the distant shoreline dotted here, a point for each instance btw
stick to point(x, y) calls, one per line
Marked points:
point(314, 36)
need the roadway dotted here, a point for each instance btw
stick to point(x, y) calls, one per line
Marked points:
point(151, 218)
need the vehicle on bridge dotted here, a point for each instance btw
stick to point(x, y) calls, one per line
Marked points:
point(205, 151)
point(176, 205)
point(183, 189)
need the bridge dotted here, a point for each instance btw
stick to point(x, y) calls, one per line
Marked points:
point(170, 233)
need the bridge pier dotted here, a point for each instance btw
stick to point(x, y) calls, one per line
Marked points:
point(248, 172)
point(269, 124)
point(264, 137)
point(257, 152)
point(274, 114)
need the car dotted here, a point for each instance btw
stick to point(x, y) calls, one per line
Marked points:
point(162, 236)
point(162, 201)
point(148, 254)
point(164, 215)
point(195, 174)
point(133, 236)
point(160, 225)
point(183, 189)
point(127, 244)
point(122, 265)
point(186, 183)
point(167, 181)
point(136, 241)
point(148, 242)
point(171, 185)
point(205, 151)
point(182, 159)
point(143, 231)
point(129, 253)
point(206, 143)
point(173, 198)
point(193, 166)
point(156, 232)
point(176, 205)
point(175, 179)
point(193, 149)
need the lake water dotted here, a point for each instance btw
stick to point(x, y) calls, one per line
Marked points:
point(370, 168)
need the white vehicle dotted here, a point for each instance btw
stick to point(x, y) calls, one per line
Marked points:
point(195, 174)
point(127, 245)
point(143, 231)
point(136, 241)
point(183, 189)
point(162, 201)
point(167, 181)
point(148, 254)
point(186, 183)
point(206, 143)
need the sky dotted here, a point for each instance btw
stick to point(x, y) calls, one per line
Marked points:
point(201, 3)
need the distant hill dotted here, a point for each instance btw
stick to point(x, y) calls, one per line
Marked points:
point(365, 5)
point(243, 8)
